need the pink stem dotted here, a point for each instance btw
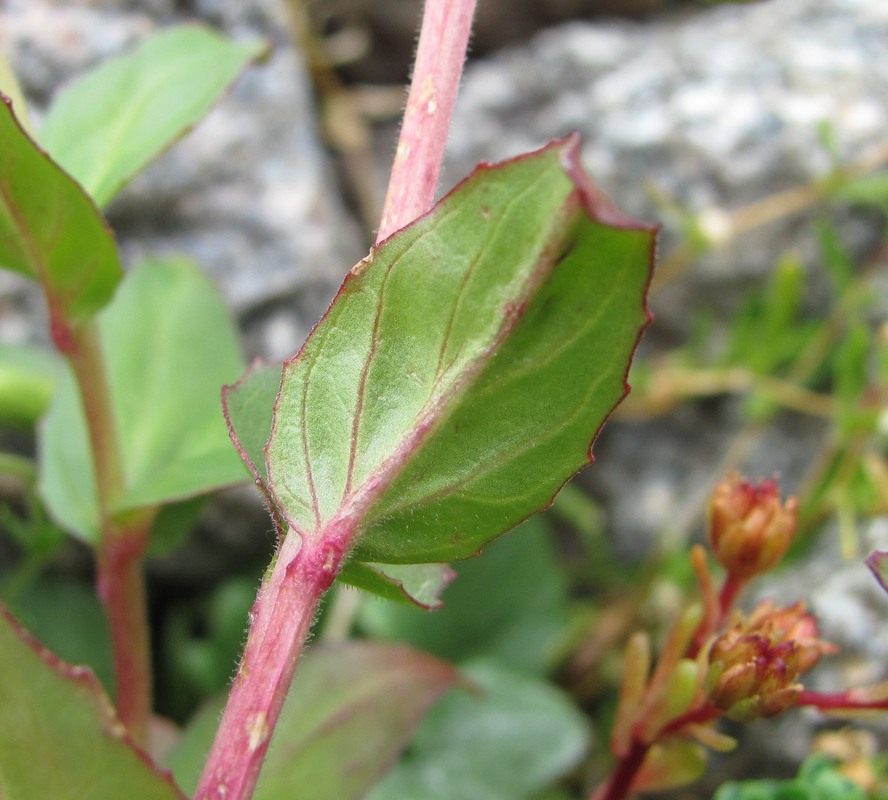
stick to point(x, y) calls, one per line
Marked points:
point(443, 40)
point(279, 626)
point(281, 618)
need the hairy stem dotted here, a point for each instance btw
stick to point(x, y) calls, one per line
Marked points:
point(443, 40)
point(122, 545)
point(279, 625)
point(304, 569)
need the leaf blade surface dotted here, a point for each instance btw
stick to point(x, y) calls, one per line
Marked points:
point(405, 386)
point(50, 230)
point(59, 735)
point(158, 92)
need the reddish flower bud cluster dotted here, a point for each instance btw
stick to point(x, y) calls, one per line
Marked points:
point(749, 529)
point(755, 664)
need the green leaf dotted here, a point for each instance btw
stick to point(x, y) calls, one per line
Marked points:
point(51, 231)
point(465, 367)
point(67, 618)
point(871, 189)
point(59, 736)
point(505, 742)
point(420, 584)
point(110, 123)
point(249, 406)
point(510, 604)
point(170, 346)
point(27, 379)
point(340, 729)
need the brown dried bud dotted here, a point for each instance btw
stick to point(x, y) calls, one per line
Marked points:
point(755, 664)
point(749, 529)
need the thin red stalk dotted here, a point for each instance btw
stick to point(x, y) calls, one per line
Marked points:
point(443, 40)
point(122, 545)
point(620, 780)
point(121, 588)
point(279, 626)
point(617, 786)
point(836, 701)
point(728, 595)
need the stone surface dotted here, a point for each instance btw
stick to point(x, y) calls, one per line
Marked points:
point(714, 109)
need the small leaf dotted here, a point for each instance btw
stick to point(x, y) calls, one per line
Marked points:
point(465, 366)
point(510, 603)
point(506, 741)
point(340, 729)
point(111, 122)
point(50, 230)
point(59, 735)
point(249, 406)
point(170, 346)
point(27, 379)
point(421, 584)
point(670, 763)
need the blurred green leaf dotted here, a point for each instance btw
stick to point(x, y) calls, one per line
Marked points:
point(836, 259)
point(347, 717)
point(511, 604)
point(59, 736)
point(869, 189)
point(851, 361)
point(818, 779)
point(51, 231)
point(65, 615)
point(107, 125)
point(170, 346)
point(27, 379)
point(506, 741)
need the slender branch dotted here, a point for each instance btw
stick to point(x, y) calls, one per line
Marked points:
point(87, 358)
point(121, 588)
point(443, 40)
point(850, 700)
point(122, 545)
point(280, 623)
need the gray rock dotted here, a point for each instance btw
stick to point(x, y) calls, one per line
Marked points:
point(715, 110)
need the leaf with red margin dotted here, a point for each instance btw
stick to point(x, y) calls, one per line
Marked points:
point(463, 370)
point(50, 230)
point(249, 405)
point(59, 734)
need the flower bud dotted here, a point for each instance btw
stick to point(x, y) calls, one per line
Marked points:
point(749, 529)
point(755, 664)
